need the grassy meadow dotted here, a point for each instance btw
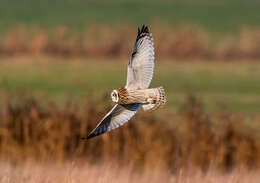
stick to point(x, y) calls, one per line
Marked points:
point(217, 16)
point(228, 85)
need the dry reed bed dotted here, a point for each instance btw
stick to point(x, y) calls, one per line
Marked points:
point(117, 41)
point(107, 172)
point(30, 131)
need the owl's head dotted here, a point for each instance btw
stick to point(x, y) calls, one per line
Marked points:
point(120, 96)
point(115, 96)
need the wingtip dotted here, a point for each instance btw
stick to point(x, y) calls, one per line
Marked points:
point(88, 137)
point(144, 29)
point(147, 29)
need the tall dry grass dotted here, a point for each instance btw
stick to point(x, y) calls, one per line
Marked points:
point(107, 172)
point(117, 41)
point(30, 131)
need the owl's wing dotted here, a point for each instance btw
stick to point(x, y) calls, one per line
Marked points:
point(141, 64)
point(116, 117)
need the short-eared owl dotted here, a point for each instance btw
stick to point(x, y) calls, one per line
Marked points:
point(136, 93)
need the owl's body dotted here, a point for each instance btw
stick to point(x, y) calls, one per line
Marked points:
point(136, 93)
point(153, 96)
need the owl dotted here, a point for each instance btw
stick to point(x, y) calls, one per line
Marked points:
point(136, 93)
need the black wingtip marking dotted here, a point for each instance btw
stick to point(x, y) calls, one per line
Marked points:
point(145, 29)
point(143, 32)
point(89, 137)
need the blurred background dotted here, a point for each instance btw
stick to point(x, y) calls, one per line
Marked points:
point(60, 60)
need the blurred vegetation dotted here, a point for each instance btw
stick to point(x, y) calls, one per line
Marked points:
point(228, 85)
point(101, 40)
point(108, 172)
point(215, 16)
point(31, 132)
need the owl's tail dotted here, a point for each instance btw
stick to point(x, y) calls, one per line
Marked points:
point(156, 102)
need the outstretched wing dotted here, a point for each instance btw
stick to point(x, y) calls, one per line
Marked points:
point(116, 117)
point(141, 64)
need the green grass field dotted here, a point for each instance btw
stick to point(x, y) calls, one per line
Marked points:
point(223, 15)
point(219, 85)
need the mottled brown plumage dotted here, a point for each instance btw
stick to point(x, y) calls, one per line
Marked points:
point(145, 96)
point(123, 96)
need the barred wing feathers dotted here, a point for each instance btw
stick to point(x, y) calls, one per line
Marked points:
point(117, 116)
point(141, 64)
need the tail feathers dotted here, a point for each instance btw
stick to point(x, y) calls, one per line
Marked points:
point(160, 100)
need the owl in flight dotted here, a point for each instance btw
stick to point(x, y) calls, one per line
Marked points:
point(136, 93)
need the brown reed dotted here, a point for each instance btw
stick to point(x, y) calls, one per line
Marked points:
point(117, 41)
point(30, 131)
point(108, 172)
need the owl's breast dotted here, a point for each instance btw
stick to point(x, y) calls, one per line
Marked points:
point(123, 96)
point(131, 96)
